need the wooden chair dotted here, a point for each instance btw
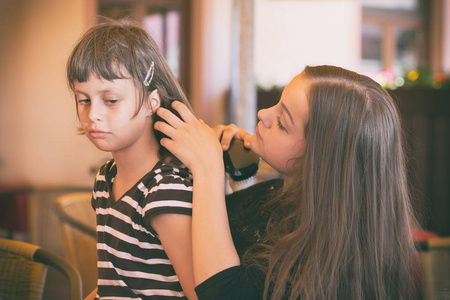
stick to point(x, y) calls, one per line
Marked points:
point(435, 259)
point(23, 271)
point(77, 223)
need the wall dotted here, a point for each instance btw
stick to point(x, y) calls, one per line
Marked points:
point(292, 34)
point(210, 58)
point(39, 142)
point(446, 37)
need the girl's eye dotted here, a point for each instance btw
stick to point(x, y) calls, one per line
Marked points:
point(280, 125)
point(84, 101)
point(110, 101)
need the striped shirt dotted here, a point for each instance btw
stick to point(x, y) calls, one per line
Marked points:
point(132, 263)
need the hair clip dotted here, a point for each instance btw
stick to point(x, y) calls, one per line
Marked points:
point(150, 73)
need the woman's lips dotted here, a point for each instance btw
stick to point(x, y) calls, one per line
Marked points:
point(98, 134)
point(257, 132)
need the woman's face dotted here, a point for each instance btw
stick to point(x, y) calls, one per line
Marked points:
point(280, 135)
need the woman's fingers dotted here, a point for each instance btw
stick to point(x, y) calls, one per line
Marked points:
point(245, 136)
point(184, 137)
point(247, 141)
point(229, 132)
point(184, 112)
point(165, 128)
point(225, 134)
point(169, 117)
point(218, 130)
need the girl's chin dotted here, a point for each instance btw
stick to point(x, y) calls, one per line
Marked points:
point(101, 146)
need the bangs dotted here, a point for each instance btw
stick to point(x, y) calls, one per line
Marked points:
point(83, 65)
point(103, 54)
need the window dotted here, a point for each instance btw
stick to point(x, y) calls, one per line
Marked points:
point(393, 35)
point(165, 20)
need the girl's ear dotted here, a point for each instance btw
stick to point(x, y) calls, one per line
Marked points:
point(154, 101)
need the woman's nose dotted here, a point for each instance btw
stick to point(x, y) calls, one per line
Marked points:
point(264, 115)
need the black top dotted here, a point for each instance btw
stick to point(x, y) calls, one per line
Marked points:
point(235, 283)
point(248, 219)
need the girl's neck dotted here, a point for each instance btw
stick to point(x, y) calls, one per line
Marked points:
point(132, 165)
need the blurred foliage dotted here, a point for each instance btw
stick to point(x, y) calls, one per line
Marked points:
point(421, 77)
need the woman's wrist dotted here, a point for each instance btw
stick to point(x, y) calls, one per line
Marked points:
point(208, 170)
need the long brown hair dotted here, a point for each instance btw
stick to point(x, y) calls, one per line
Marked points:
point(109, 48)
point(342, 226)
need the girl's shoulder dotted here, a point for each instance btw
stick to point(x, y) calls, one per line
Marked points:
point(169, 177)
point(162, 170)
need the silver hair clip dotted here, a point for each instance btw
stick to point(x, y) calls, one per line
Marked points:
point(150, 73)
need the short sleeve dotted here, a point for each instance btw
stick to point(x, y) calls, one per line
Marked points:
point(169, 194)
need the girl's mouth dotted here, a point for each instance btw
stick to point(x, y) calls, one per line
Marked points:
point(98, 134)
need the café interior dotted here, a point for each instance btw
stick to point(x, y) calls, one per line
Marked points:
point(232, 58)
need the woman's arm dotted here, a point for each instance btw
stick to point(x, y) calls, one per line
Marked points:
point(213, 246)
point(197, 146)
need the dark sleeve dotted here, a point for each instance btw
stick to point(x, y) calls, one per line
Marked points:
point(235, 283)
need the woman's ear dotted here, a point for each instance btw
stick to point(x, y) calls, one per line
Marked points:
point(154, 101)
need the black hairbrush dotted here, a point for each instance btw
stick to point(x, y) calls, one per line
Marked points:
point(240, 163)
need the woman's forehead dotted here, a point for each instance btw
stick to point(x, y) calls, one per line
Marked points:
point(294, 98)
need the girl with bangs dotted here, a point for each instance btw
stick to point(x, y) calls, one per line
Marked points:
point(143, 196)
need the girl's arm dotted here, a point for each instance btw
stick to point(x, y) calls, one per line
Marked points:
point(197, 146)
point(175, 233)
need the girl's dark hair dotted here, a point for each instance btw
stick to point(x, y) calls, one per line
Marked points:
point(341, 229)
point(109, 49)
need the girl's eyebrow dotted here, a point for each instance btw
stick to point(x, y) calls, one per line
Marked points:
point(107, 90)
point(80, 92)
point(285, 109)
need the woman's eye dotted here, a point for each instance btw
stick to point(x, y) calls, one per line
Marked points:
point(279, 124)
point(110, 101)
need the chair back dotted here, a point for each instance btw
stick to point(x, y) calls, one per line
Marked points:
point(77, 223)
point(435, 259)
point(23, 271)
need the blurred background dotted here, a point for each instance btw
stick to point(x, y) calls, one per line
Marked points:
point(232, 57)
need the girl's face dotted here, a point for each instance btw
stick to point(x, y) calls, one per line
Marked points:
point(280, 135)
point(106, 111)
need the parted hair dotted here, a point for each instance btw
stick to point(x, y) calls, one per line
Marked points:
point(341, 229)
point(120, 49)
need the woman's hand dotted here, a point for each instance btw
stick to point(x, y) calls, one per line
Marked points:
point(225, 133)
point(198, 147)
point(192, 141)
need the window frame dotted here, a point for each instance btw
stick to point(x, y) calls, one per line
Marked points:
point(388, 20)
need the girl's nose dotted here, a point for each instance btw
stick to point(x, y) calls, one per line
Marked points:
point(95, 114)
point(264, 115)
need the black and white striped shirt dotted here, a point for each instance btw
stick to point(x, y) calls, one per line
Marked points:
point(132, 263)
